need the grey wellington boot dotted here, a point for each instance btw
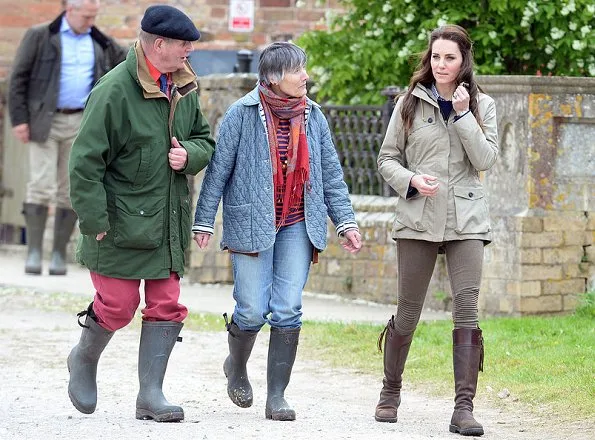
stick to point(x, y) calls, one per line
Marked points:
point(396, 349)
point(64, 222)
point(467, 363)
point(35, 218)
point(156, 343)
point(82, 362)
point(240, 344)
point(282, 350)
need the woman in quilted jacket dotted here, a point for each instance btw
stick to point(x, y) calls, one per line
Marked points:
point(442, 133)
point(276, 168)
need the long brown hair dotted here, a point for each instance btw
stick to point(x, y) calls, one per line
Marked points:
point(423, 72)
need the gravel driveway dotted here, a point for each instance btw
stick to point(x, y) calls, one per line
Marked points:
point(330, 403)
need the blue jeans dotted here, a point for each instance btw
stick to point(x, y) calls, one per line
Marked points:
point(268, 287)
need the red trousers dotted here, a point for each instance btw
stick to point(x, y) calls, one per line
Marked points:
point(117, 299)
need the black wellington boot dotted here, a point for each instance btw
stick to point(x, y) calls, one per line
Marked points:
point(64, 222)
point(35, 218)
point(467, 362)
point(396, 349)
point(82, 362)
point(156, 343)
point(240, 343)
point(282, 350)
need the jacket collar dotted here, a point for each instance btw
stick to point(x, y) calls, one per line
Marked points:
point(253, 98)
point(183, 79)
point(96, 34)
point(422, 92)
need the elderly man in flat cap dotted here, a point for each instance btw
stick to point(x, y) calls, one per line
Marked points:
point(141, 135)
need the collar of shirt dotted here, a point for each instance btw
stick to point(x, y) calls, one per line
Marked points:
point(155, 74)
point(65, 27)
point(436, 94)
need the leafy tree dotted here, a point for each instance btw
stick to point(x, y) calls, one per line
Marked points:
point(373, 44)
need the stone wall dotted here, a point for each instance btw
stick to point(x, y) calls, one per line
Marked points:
point(541, 197)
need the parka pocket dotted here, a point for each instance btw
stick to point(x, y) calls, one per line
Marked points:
point(471, 210)
point(237, 226)
point(139, 222)
point(410, 214)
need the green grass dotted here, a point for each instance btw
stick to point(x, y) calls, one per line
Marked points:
point(542, 361)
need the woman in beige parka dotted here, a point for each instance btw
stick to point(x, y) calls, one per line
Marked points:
point(442, 133)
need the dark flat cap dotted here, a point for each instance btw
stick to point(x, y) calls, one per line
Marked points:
point(167, 21)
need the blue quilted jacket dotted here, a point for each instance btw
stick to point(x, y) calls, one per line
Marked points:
point(240, 171)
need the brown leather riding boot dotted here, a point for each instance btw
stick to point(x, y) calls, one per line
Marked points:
point(396, 348)
point(467, 362)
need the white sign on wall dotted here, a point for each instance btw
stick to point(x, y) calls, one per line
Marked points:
point(241, 15)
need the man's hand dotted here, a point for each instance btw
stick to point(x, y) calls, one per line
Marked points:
point(100, 236)
point(178, 156)
point(352, 242)
point(21, 132)
point(202, 240)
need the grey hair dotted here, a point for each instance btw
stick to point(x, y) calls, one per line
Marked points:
point(149, 38)
point(280, 58)
point(78, 3)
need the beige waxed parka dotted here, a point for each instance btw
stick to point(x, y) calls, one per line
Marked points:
point(454, 152)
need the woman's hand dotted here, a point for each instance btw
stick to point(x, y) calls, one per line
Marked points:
point(425, 184)
point(460, 99)
point(352, 241)
point(202, 240)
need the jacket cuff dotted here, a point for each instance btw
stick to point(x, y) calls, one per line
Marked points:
point(345, 226)
point(203, 229)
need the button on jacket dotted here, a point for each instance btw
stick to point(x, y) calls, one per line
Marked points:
point(454, 152)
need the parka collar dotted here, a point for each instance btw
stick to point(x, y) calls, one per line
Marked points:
point(183, 79)
point(253, 98)
point(422, 92)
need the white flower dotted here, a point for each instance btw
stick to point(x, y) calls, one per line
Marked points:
point(580, 63)
point(378, 32)
point(398, 21)
point(441, 21)
point(578, 45)
point(524, 23)
point(404, 52)
point(386, 7)
point(564, 11)
point(526, 56)
point(585, 30)
point(556, 33)
point(409, 17)
point(529, 37)
point(549, 49)
point(551, 64)
point(300, 3)
point(591, 69)
point(369, 34)
point(571, 6)
point(369, 86)
point(384, 19)
point(492, 34)
point(591, 9)
point(422, 35)
point(572, 26)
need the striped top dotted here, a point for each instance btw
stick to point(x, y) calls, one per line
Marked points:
point(283, 141)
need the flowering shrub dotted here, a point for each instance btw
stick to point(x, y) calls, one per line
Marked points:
point(373, 44)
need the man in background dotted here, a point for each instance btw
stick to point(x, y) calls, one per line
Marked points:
point(56, 66)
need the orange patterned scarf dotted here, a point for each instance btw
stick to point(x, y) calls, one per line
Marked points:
point(290, 186)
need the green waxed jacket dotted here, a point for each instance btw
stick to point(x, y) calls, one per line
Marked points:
point(120, 178)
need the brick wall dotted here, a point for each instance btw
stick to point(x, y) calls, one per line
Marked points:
point(273, 20)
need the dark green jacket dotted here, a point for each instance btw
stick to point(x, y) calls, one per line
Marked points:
point(35, 78)
point(120, 178)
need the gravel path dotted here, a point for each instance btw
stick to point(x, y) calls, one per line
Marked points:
point(330, 403)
